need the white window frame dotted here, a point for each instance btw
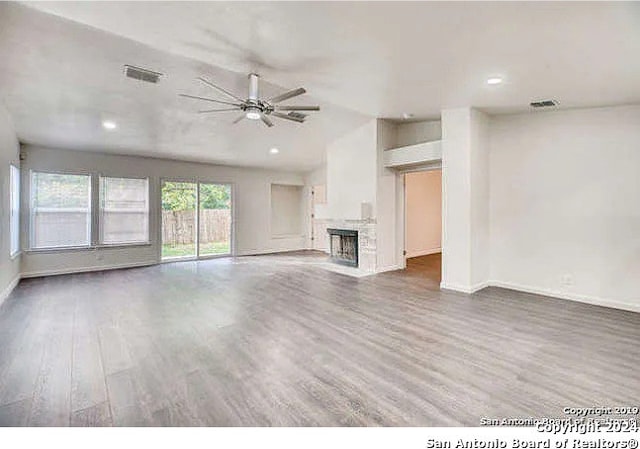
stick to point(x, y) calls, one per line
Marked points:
point(100, 241)
point(32, 208)
point(14, 211)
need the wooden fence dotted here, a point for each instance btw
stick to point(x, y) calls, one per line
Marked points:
point(179, 227)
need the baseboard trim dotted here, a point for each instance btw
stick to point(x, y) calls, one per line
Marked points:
point(464, 289)
point(34, 274)
point(268, 252)
point(9, 288)
point(593, 300)
point(587, 299)
point(389, 268)
point(425, 252)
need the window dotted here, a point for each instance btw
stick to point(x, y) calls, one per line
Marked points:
point(14, 209)
point(124, 210)
point(61, 210)
point(286, 210)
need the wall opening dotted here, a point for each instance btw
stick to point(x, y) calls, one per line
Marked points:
point(287, 206)
point(423, 223)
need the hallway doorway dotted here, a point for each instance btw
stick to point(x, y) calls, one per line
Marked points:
point(426, 267)
point(423, 223)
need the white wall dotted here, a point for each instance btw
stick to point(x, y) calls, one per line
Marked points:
point(388, 254)
point(456, 191)
point(317, 176)
point(9, 154)
point(480, 176)
point(351, 173)
point(287, 210)
point(565, 204)
point(314, 178)
point(417, 132)
point(320, 211)
point(465, 181)
point(423, 199)
point(251, 191)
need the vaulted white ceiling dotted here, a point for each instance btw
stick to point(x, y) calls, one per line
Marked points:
point(60, 80)
point(380, 59)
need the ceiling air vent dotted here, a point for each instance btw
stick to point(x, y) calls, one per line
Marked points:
point(543, 104)
point(139, 74)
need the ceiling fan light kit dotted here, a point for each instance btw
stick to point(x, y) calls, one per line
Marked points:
point(255, 108)
point(253, 114)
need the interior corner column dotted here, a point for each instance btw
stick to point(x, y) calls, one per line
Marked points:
point(465, 199)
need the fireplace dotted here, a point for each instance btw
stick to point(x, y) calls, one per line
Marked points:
point(344, 246)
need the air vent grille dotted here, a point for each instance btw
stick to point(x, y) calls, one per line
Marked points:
point(137, 73)
point(544, 104)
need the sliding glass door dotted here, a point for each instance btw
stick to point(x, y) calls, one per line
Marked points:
point(214, 219)
point(179, 223)
point(196, 219)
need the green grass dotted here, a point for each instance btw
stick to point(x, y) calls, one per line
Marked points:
point(206, 249)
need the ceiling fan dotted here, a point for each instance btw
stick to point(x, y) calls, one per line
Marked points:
point(254, 107)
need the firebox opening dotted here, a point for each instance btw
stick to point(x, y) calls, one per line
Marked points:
point(343, 245)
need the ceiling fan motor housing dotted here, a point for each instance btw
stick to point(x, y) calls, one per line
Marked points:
point(254, 108)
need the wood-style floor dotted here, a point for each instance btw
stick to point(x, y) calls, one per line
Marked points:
point(427, 268)
point(275, 340)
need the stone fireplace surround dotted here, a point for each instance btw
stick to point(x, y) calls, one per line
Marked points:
point(366, 241)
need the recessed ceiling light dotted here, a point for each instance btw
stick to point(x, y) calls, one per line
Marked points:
point(109, 125)
point(274, 151)
point(494, 80)
point(407, 115)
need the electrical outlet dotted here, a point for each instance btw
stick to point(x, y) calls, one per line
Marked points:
point(566, 280)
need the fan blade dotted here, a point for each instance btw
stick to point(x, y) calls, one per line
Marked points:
point(287, 95)
point(218, 110)
point(210, 84)
point(287, 117)
point(238, 119)
point(266, 120)
point(298, 108)
point(209, 99)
